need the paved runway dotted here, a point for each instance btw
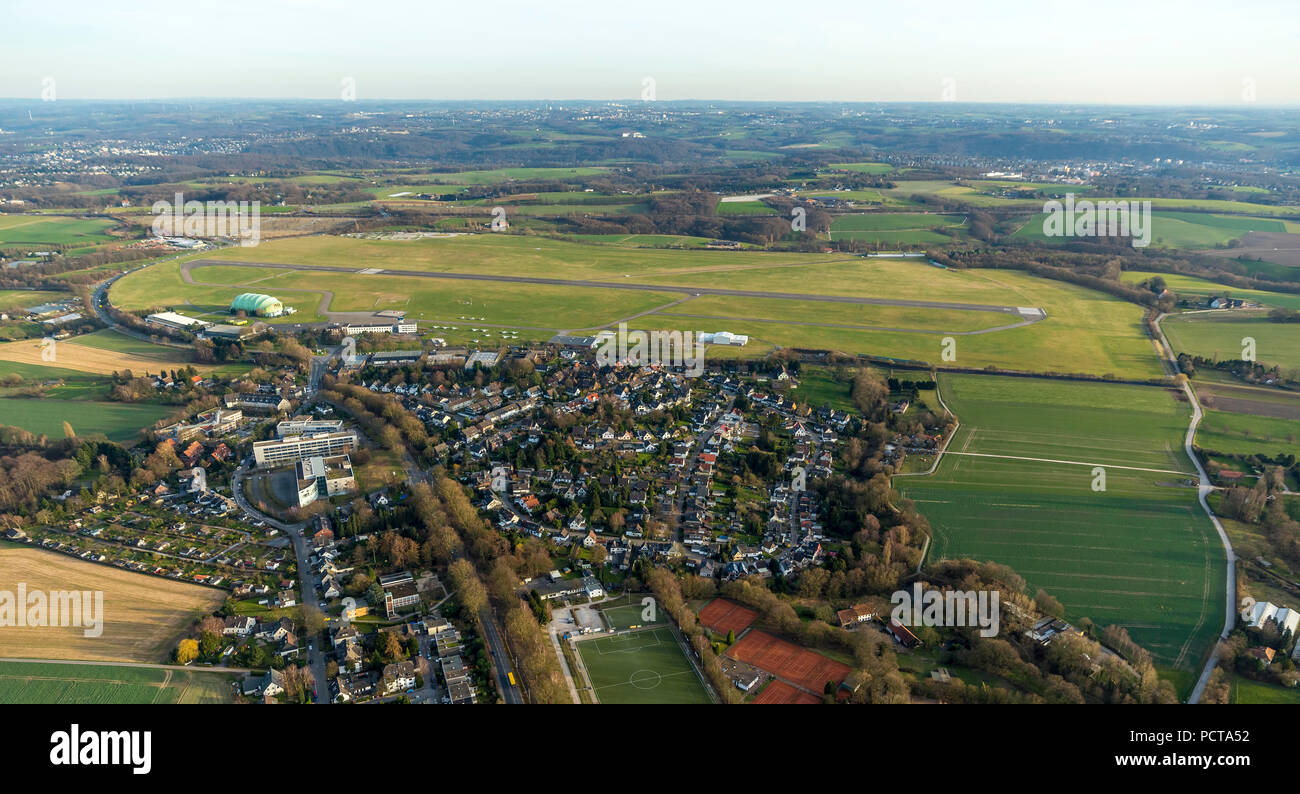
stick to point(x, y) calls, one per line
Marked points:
point(1028, 318)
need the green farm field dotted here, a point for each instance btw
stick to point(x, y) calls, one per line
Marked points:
point(54, 230)
point(1247, 691)
point(108, 339)
point(33, 682)
point(899, 228)
point(1170, 229)
point(1140, 554)
point(818, 386)
point(894, 221)
point(1245, 434)
point(1218, 335)
point(117, 421)
point(641, 667)
point(983, 193)
point(1191, 286)
point(18, 299)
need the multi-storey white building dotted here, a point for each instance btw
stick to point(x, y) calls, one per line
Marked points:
point(323, 477)
point(292, 449)
point(376, 328)
point(307, 425)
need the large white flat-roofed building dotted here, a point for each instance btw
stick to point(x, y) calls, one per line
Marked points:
point(307, 425)
point(402, 327)
point(292, 449)
point(723, 338)
point(174, 320)
point(320, 477)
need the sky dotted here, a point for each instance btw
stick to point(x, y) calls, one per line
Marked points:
point(1103, 51)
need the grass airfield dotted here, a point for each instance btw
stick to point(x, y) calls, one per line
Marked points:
point(1084, 331)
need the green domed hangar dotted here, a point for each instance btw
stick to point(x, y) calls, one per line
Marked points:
point(257, 305)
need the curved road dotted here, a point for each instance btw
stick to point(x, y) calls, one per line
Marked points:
point(99, 299)
point(306, 581)
point(1203, 490)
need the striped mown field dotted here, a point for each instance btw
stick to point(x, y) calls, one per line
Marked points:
point(1140, 554)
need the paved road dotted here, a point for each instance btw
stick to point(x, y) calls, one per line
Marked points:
point(1230, 585)
point(624, 285)
point(311, 597)
point(500, 659)
point(697, 446)
point(236, 483)
point(99, 299)
point(501, 664)
point(306, 579)
point(938, 393)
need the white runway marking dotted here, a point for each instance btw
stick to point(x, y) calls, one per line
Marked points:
point(1070, 462)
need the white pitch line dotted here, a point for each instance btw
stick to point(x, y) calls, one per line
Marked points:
point(1070, 462)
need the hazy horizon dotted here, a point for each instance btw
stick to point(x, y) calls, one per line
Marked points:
point(36, 101)
point(1019, 52)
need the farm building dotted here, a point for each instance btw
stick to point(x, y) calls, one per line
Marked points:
point(903, 634)
point(1286, 620)
point(257, 304)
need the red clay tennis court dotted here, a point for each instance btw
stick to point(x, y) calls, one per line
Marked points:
point(781, 693)
point(722, 616)
point(796, 665)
